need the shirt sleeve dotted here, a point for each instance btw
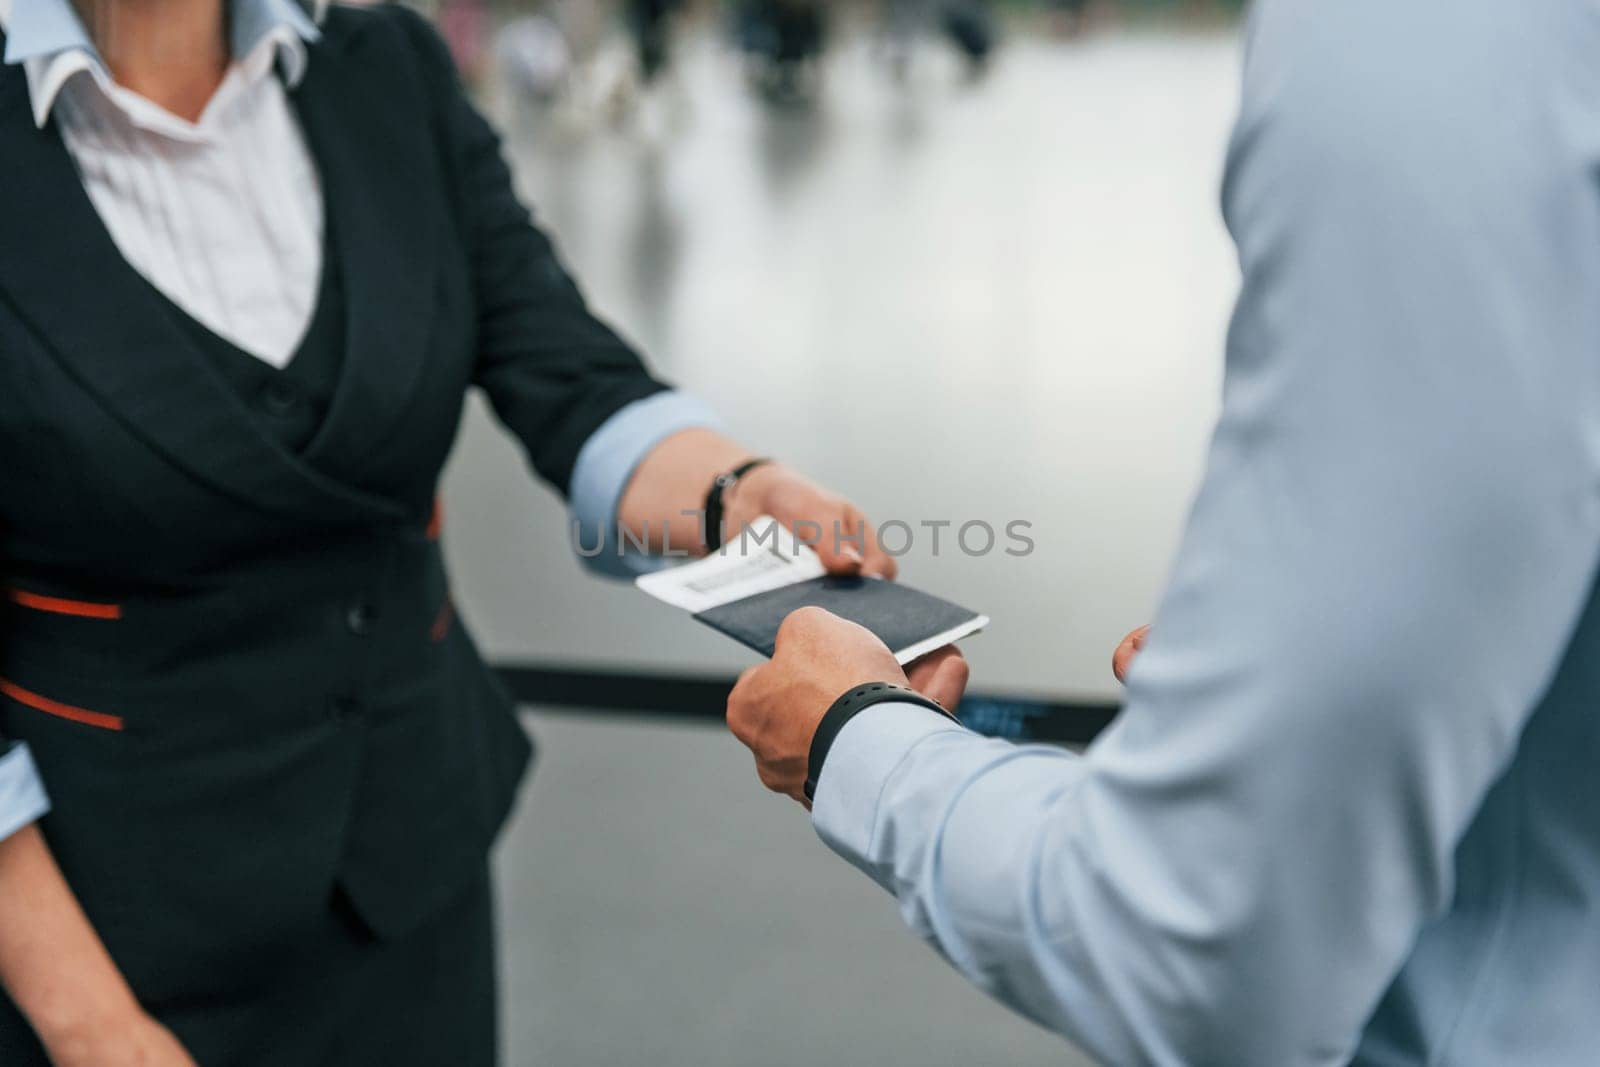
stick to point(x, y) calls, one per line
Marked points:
point(22, 795)
point(605, 466)
point(1394, 540)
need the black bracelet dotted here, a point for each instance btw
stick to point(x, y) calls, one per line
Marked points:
point(721, 484)
point(847, 707)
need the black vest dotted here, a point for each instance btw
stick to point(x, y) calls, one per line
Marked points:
point(290, 403)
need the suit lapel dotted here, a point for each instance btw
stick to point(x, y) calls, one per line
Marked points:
point(71, 284)
point(379, 171)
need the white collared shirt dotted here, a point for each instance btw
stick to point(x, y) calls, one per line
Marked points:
point(223, 215)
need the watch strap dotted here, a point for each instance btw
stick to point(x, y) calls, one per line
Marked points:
point(714, 509)
point(854, 701)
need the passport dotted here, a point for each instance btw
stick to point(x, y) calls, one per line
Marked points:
point(748, 589)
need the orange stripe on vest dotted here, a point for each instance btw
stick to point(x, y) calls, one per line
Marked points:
point(83, 609)
point(58, 709)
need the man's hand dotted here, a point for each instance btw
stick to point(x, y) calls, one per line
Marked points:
point(829, 523)
point(776, 707)
point(940, 676)
point(1122, 658)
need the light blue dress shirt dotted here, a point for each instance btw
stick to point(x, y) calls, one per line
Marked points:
point(36, 30)
point(1351, 811)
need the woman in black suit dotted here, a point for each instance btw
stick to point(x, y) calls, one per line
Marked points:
point(274, 760)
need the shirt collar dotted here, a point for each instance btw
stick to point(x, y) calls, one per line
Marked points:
point(48, 39)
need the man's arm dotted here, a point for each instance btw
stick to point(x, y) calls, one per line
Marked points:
point(1397, 531)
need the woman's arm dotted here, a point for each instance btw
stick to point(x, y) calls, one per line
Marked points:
point(60, 976)
point(562, 381)
point(52, 964)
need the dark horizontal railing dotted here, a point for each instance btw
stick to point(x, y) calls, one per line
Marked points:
point(702, 698)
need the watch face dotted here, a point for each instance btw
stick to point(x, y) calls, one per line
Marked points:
point(725, 480)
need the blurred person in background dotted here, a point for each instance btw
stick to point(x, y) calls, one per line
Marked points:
point(534, 58)
point(464, 25)
point(784, 40)
point(557, 52)
point(252, 257)
point(650, 21)
point(1070, 16)
point(1350, 812)
point(969, 25)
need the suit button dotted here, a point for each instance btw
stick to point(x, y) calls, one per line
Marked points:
point(280, 398)
point(343, 709)
point(360, 618)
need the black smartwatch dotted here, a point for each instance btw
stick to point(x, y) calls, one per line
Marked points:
point(847, 707)
point(720, 485)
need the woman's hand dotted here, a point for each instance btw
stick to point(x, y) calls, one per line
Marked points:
point(1122, 658)
point(832, 525)
point(57, 971)
point(663, 505)
point(131, 1040)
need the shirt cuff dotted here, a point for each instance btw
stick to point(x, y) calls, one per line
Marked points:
point(22, 795)
point(863, 758)
point(607, 462)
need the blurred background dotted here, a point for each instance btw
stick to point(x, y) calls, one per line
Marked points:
point(959, 260)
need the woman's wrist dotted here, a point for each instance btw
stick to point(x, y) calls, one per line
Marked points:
point(84, 1016)
point(662, 504)
point(738, 501)
point(755, 485)
point(129, 1039)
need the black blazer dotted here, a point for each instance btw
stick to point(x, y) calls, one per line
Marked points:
point(237, 666)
